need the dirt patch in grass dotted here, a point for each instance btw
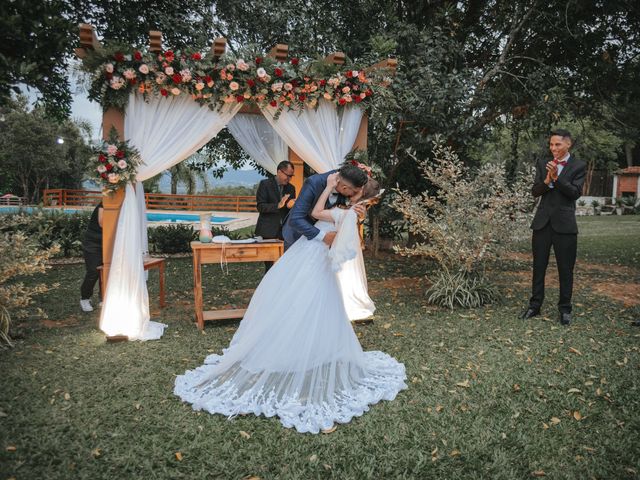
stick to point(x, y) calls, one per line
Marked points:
point(412, 285)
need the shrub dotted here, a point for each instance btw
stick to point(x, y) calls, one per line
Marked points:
point(20, 257)
point(171, 238)
point(468, 222)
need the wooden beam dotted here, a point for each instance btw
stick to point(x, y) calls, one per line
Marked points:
point(155, 41)
point(88, 40)
point(279, 52)
point(390, 64)
point(218, 47)
point(337, 58)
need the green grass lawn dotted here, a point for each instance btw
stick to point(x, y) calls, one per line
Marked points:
point(489, 396)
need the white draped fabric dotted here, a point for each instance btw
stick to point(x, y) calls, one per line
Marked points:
point(165, 131)
point(321, 137)
point(258, 138)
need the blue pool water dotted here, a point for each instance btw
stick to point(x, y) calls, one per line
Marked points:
point(151, 217)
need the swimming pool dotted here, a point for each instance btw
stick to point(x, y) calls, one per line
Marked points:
point(152, 217)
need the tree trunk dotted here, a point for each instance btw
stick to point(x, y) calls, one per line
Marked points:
point(174, 184)
point(628, 152)
point(375, 234)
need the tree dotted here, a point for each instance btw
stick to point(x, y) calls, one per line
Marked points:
point(32, 157)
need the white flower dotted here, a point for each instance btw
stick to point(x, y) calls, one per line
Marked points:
point(234, 86)
point(129, 73)
point(127, 57)
point(185, 74)
point(175, 91)
point(168, 71)
point(108, 68)
point(160, 78)
point(122, 164)
point(242, 65)
point(117, 82)
point(112, 149)
point(276, 87)
point(261, 72)
point(288, 86)
point(101, 169)
point(355, 73)
point(144, 68)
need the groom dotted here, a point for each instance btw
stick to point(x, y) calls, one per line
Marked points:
point(299, 222)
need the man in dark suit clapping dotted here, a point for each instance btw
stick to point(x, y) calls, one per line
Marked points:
point(558, 183)
point(274, 199)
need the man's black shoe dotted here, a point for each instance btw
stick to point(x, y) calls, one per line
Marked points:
point(565, 318)
point(529, 312)
point(635, 323)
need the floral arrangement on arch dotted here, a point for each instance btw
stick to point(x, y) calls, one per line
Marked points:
point(260, 80)
point(116, 164)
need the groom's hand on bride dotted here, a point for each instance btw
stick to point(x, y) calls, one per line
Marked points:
point(329, 237)
point(361, 211)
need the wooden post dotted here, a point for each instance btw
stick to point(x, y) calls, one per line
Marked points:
point(112, 117)
point(298, 171)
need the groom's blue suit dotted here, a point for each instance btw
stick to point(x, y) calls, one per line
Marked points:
point(299, 221)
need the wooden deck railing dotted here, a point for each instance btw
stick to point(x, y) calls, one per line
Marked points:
point(13, 201)
point(155, 201)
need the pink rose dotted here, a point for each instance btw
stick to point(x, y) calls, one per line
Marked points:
point(144, 68)
point(112, 149)
point(234, 86)
point(122, 164)
point(108, 68)
point(168, 71)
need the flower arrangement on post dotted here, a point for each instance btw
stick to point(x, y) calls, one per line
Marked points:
point(116, 164)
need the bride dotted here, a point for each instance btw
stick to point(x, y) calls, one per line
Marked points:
point(295, 354)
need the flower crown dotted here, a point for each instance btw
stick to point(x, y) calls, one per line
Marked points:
point(365, 168)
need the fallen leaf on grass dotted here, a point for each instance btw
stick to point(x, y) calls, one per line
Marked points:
point(330, 430)
point(313, 458)
point(244, 434)
point(516, 387)
point(555, 420)
point(538, 473)
point(67, 397)
point(454, 453)
point(96, 452)
point(439, 408)
point(11, 448)
point(545, 426)
point(386, 325)
point(575, 350)
point(464, 384)
point(577, 415)
point(573, 390)
point(327, 466)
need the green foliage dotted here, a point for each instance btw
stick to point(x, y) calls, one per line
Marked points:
point(461, 289)
point(49, 228)
point(171, 238)
point(466, 223)
point(31, 157)
point(21, 257)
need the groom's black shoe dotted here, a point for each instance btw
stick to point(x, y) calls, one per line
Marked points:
point(529, 312)
point(565, 318)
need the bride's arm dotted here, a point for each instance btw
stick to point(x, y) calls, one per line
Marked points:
point(319, 212)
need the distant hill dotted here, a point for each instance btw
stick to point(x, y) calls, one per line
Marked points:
point(232, 178)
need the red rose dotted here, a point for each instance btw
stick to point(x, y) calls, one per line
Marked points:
point(239, 98)
point(169, 55)
point(103, 175)
point(302, 98)
point(294, 83)
point(358, 99)
point(118, 57)
point(278, 72)
point(208, 79)
point(133, 81)
point(295, 61)
point(196, 56)
point(251, 83)
point(102, 158)
point(137, 55)
point(369, 92)
point(342, 101)
point(109, 167)
point(258, 60)
point(323, 83)
point(163, 92)
point(348, 74)
point(120, 154)
point(273, 103)
point(176, 78)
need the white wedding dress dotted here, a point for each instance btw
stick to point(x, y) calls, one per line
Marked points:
point(295, 354)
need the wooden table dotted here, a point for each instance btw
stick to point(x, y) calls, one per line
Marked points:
point(149, 263)
point(231, 253)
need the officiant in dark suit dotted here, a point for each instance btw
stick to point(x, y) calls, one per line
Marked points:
point(558, 183)
point(274, 198)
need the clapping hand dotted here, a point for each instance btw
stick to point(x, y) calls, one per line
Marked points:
point(283, 200)
point(552, 172)
point(332, 180)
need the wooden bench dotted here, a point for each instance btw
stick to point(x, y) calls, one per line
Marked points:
point(149, 263)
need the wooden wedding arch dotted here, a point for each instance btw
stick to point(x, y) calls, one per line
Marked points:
point(113, 118)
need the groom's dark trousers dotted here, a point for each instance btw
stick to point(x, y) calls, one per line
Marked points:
point(554, 225)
